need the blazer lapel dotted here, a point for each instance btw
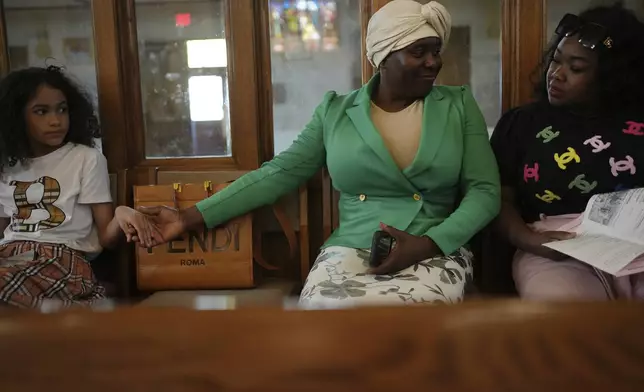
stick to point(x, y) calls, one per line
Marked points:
point(435, 116)
point(360, 115)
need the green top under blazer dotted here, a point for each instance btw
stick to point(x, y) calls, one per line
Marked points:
point(454, 163)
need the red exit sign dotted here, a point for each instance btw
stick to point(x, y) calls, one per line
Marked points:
point(182, 20)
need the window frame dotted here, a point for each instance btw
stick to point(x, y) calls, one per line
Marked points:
point(5, 66)
point(240, 32)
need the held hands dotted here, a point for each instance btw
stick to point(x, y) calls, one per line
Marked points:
point(137, 227)
point(168, 222)
point(533, 243)
point(408, 250)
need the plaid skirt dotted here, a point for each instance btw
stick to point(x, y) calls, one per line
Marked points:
point(33, 272)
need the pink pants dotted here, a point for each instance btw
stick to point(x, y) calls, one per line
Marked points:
point(538, 278)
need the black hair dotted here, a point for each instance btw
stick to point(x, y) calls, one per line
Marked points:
point(620, 72)
point(18, 88)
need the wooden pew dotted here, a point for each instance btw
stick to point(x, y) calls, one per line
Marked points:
point(495, 346)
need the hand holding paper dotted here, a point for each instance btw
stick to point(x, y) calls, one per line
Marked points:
point(611, 234)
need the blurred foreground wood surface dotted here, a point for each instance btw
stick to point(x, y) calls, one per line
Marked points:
point(495, 346)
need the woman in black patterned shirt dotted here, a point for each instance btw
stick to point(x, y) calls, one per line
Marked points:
point(583, 136)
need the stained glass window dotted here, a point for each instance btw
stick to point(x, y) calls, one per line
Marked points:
point(304, 26)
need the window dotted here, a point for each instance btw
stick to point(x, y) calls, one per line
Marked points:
point(183, 58)
point(315, 47)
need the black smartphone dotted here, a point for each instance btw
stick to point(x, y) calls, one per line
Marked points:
point(381, 246)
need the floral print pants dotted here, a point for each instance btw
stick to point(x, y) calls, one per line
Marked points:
point(338, 279)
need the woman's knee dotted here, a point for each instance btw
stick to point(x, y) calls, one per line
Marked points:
point(551, 280)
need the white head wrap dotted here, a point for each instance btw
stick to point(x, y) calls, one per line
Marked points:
point(402, 22)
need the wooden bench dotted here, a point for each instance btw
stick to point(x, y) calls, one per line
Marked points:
point(271, 293)
point(494, 346)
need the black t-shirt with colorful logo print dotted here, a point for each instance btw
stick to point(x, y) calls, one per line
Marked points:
point(556, 160)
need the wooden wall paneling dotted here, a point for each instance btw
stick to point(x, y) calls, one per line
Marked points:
point(5, 63)
point(134, 130)
point(111, 94)
point(241, 33)
point(522, 43)
point(265, 81)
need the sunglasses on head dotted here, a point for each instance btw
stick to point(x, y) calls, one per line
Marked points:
point(590, 34)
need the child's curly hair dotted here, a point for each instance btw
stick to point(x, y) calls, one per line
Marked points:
point(18, 88)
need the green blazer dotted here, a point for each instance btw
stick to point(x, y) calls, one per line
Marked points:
point(449, 192)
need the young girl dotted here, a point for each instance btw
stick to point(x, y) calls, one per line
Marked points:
point(54, 192)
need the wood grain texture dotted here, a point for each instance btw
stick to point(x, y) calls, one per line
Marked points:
point(263, 68)
point(522, 45)
point(242, 36)
point(500, 346)
point(5, 61)
point(110, 84)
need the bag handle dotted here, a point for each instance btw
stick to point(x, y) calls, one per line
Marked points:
point(176, 190)
point(282, 219)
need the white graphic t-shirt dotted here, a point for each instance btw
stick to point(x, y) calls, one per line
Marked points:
point(49, 199)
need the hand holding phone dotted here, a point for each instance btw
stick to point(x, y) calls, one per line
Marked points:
point(381, 246)
point(393, 250)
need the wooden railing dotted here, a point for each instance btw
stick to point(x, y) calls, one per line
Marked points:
point(496, 346)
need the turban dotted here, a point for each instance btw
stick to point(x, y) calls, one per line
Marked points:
point(403, 22)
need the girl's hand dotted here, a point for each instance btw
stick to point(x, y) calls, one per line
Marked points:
point(137, 227)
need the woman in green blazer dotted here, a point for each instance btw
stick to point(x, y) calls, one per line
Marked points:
point(407, 157)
